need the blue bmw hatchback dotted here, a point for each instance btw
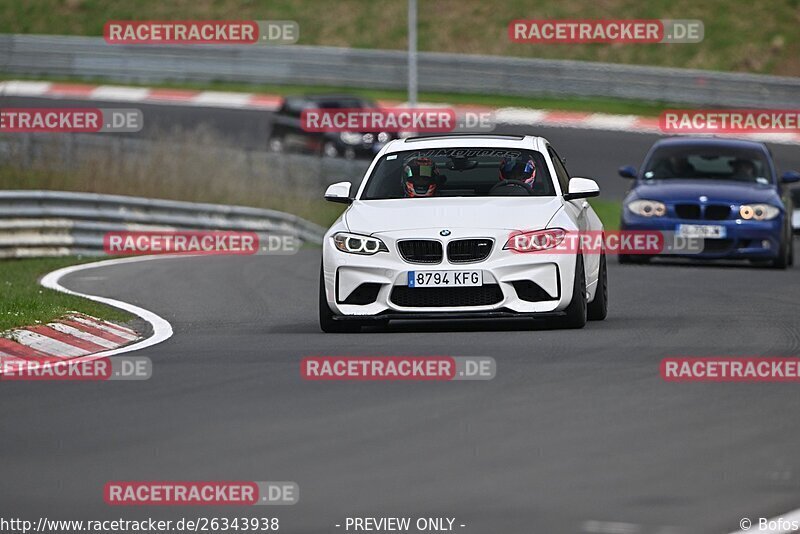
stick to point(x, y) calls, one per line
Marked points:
point(725, 192)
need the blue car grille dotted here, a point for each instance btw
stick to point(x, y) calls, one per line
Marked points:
point(711, 212)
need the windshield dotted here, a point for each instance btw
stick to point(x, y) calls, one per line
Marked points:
point(459, 172)
point(708, 162)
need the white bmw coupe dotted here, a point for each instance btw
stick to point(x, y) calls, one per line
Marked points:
point(462, 226)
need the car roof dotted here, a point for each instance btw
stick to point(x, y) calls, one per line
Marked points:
point(466, 141)
point(709, 141)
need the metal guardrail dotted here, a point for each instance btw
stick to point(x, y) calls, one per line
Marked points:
point(192, 160)
point(56, 223)
point(86, 57)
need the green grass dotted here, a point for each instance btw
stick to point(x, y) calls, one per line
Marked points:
point(593, 104)
point(758, 37)
point(25, 303)
point(608, 211)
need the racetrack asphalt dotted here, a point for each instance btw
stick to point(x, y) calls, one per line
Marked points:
point(576, 427)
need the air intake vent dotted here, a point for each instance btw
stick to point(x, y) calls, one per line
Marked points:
point(469, 250)
point(687, 211)
point(366, 293)
point(531, 291)
point(717, 212)
point(446, 297)
point(420, 251)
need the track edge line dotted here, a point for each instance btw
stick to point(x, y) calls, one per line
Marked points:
point(162, 329)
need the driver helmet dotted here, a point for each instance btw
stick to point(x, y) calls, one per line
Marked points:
point(420, 177)
point(521, 168)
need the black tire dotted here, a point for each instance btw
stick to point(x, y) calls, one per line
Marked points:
point(327, 323)
point(785, 254)
point(576, 313)
point(597, 310)
point(636, 259)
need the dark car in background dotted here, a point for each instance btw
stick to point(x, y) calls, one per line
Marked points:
point(723, 191)
point(287, 134)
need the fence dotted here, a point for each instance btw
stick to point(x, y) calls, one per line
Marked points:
point(55, 223)
point(91, 57)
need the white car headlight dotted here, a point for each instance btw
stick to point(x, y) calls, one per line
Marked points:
point(648, 208)
point(358, 244)
point(383, 137)
point(758, 212)
point(535, 241)
point(350, 138)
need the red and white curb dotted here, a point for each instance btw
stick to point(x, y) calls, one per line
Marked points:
point(145, 95)
point(80, 337)
point(264, 102)
point(70, 337)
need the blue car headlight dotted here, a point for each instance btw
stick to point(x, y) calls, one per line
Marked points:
point(758, 212)
point(647, 208)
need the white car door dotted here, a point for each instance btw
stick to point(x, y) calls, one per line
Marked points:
point(578, 210)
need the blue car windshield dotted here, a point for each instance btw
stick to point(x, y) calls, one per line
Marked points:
point(703, 162)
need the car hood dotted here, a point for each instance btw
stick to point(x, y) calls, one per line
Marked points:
point(510, 213)
point(715, 190)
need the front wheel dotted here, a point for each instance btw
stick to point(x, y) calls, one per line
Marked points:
point(785, 255)
point(576, 313)
point(327, 323)
point(597, 310)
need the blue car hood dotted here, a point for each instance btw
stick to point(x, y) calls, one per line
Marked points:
point(716, 191)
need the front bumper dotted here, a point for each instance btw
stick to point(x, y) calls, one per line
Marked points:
point(743, 239)
point(452, 316)
point(506, 277)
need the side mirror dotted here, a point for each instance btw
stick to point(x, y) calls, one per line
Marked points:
point(627, 171)
point(790, 177)
point(582, 188)
point(339, 192)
